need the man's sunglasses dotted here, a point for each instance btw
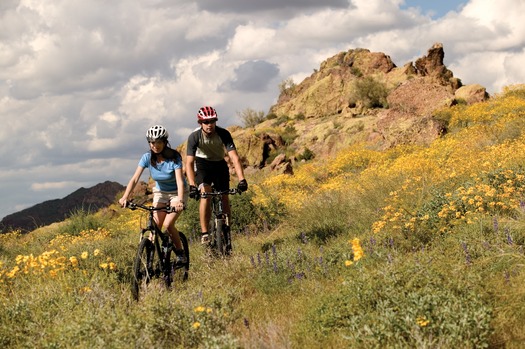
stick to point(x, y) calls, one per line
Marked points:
point(207, 122)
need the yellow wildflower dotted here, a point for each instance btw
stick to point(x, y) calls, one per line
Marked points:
point(196, 325)
point(84, 255)
point(74, 261)
point(356, 248)
point(85, 289)
point(199, 309)
point(348, 263)
point(13, 272)
point(422, 321)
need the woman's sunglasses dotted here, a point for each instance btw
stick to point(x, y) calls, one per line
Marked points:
point(207, 122)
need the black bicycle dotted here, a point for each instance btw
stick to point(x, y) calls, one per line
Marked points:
point(220, 236)
point(154, 255)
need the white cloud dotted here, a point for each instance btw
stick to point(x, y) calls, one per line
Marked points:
point(52, 185)
point(81, 81)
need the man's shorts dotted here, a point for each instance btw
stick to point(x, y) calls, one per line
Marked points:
point(216, 172)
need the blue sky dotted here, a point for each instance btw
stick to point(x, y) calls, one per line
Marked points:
point(82, 81)
point(435, 8)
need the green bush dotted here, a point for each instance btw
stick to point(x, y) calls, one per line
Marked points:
point(371, 93)
point(289, 135)
point(250, 117)
point(306, 155)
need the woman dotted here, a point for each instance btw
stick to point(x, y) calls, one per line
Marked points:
point(165, 167)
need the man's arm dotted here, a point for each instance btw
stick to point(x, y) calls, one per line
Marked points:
point(190, 169)
point(237, 165)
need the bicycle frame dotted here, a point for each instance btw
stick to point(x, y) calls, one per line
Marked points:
point(162, 241)
point(155, 242)
point(220, 239)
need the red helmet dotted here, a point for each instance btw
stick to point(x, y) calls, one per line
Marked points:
point(206, 113)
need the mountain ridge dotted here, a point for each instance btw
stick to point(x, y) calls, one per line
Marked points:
point(89, 199)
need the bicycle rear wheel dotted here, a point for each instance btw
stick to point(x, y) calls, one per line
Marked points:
point(143, 267)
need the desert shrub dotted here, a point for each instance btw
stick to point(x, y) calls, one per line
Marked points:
point(280, 120)
point(289, 134)
point(300, 117)
point(356, 71)
point(371, 93)
point(287, 86)
point(251, 118)
point(306, 155)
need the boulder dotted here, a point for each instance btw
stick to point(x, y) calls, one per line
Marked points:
point(473, 93)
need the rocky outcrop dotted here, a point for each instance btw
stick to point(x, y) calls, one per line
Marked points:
point(282, 165)
point(432, 66)
point(329, 90)
point(324, 114)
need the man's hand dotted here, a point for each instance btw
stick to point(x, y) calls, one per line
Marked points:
point(194, 192)
point(242, 186)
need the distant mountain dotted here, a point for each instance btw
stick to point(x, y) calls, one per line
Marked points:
point(51, 211)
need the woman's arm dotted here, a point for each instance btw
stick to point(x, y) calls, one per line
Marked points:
point(180, 189)
point(131, 185)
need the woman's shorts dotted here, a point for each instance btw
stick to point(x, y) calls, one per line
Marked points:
point(169, 197)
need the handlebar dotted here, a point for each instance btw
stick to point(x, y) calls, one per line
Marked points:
point(232, 191)
point(168, 209)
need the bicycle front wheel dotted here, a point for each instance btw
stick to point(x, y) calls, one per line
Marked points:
point(143, 267)
point(219, 237)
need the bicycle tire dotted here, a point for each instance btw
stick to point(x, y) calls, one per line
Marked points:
point(167, 267)
point(219, 237)
point(143, 267)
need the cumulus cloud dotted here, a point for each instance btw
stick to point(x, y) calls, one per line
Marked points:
point(80, 83)
point(247, 6)
point(253, 76)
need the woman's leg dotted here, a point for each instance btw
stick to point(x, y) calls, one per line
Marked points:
point(171, 218)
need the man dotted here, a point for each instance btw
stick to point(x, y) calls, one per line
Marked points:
point(206, 164)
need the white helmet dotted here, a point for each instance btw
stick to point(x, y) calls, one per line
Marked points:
point(156, 132)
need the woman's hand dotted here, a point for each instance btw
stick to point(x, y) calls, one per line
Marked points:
point(123, 202)
point(178, 206)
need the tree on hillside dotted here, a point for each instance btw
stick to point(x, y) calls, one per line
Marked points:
point(250, 117)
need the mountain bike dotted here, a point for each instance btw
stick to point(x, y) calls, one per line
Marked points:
point(220, 236)
point(154, 254)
